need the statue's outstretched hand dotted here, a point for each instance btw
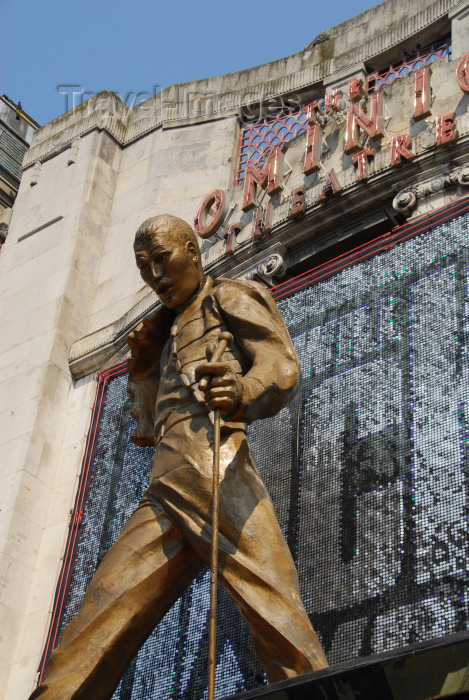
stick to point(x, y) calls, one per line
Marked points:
point(224, 388)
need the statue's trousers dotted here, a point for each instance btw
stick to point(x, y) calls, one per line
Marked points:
point(164, 545)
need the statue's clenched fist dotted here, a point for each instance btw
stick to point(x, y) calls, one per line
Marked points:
point(224, 388)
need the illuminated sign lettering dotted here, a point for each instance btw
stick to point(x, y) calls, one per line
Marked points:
point(269, 178)
point(462, 72)
point(230, 237)
point(364, 120)
point(313, 150)
point(261, 221)
point(422, 93)
point(400, 149)
point(297, 203)
point(445, 132)
point(370, 122)
point(361, 161)
point(331, 185)
point(212, 210)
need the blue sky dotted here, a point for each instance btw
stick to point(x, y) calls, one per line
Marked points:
point(130, 46)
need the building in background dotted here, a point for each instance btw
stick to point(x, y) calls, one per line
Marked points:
point(16, 131)
point(337, 177)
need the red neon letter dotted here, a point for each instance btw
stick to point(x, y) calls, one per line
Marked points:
point(261, 221)
point(331, 185)
point(400, 149)
point(422, 93)
point(268, 177)
point(311, 112)
point(462, 72)
point(361, 161)
point(212, 208)
point(354, 88)
point(297, 203)
point(445, 132)
point(331, 100)
point(371, 123)
point(313, 150)
point(229, 237)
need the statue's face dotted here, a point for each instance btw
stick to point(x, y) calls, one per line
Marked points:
point(171, 269)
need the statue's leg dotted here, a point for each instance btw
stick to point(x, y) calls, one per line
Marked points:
point(261, 578)
point(139, 579)
point(255, 564)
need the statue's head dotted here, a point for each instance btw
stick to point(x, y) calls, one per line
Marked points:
point(168, 257)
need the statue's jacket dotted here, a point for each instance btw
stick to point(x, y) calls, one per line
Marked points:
point(262, 353)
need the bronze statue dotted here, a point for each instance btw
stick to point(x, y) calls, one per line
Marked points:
point(166, 542)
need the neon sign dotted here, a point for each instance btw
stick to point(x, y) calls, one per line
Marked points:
point(363, 119)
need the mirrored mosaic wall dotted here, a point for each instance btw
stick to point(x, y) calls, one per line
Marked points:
point(368, 470)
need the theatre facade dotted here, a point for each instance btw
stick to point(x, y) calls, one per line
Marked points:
point(339, 179)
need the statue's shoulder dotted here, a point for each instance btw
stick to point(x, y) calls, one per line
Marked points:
point(229, 291)
point(251, 307)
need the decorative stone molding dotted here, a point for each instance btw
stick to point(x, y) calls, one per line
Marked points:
point(5, 218)
point(72, 156)
point(407, 199)
point(59, 142)
point(263, 267)
point(398, 32)
point(35, 175)
point(274, 266)
point(3, 233)
point(95, 350)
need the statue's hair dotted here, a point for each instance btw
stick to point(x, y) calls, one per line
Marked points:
point(175, 229)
